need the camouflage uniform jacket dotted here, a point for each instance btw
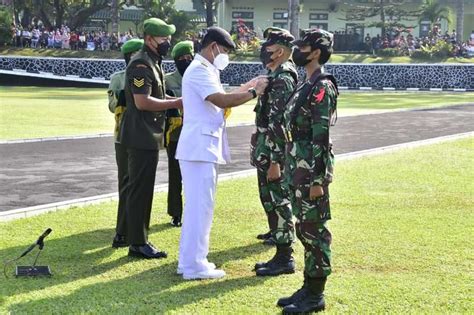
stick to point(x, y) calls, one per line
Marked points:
point(309, 115)
point(269, 141)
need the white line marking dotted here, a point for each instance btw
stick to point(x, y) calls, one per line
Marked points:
point(32, 211)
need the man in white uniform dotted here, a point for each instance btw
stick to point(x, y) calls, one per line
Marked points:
point(203, 146)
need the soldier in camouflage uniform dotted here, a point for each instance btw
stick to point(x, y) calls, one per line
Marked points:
point(268, 147)
point(117, 105)
point(310, 113)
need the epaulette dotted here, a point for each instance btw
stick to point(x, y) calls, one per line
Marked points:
point(204, 64)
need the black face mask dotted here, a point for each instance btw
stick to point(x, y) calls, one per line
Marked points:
point(300, 58)
point(266, 57)
point(162, 48)
point(182, 65)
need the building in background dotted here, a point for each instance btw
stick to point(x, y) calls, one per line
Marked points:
point(330, 15)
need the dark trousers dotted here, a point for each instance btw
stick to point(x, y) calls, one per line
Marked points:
point(141, 172)
point(121, 157)
point(175, 198)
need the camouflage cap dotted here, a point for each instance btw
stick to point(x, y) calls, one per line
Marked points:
point(182, 48)
point(131, 45)
point(273, 29)
point(158, 27)
point(315, 38)
point(281, 38)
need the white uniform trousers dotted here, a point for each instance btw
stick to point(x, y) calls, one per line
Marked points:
point(199, 181)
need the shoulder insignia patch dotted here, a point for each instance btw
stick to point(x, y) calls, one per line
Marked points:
point(139, 82)
point(320, 96)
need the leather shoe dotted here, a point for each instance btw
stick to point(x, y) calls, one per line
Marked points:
point(176, 221)
point(147, 251)
point(119, 241)
point(206, 274)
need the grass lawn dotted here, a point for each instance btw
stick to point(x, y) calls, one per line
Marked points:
point(34, 112)
point(335, 58)
point(401, 226)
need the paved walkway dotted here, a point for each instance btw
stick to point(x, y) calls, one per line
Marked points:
point(38, 173)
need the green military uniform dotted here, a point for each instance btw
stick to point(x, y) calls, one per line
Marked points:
point(268, 146)
point(174, 124)
point(310, 160)
point(142, 133)
point(117, 105)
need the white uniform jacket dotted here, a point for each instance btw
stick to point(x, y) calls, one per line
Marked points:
point(203, 137)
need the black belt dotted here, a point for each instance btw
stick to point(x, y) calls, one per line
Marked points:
point(304, 135)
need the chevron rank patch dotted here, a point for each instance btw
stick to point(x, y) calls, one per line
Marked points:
point(139, 82)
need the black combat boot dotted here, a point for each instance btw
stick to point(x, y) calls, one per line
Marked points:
point(264, 236)
point(281, 263)
point(298, 295)
point(312, 301)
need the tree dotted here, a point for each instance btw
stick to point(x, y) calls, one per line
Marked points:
point(165, 10)
point(390, 16)
point(211, 7)
point(54, 13)
point(433, 12)
point(293, 17)
point(114, 19)
point(460, 20)
point(6, 18)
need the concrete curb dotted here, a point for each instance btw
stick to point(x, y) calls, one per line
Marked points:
point(36, 210)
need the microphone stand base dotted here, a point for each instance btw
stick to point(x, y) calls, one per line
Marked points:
point(32, 271)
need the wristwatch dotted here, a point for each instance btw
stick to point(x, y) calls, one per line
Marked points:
point(253, 91)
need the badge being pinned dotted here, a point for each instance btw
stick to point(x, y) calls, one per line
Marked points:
point(320, 96)
point(139, 82)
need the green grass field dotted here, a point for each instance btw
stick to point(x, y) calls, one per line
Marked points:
point(35, 112)
point(401, 244)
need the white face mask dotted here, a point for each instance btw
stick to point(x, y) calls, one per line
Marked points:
point(221, 61)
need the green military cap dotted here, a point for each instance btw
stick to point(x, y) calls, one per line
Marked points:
point(269, 30)
point(315, 38)
point(131, 45)
point(158, 27)
point(182, 48)
point(281, 38)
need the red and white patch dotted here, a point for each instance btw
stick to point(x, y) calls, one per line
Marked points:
point(320, 96)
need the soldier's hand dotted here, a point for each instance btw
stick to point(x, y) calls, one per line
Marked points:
point(179, 103)
point(274, 172)
point(261, 85)
point(316, 192)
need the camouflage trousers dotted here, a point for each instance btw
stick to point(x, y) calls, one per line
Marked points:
point(275, 200)
point(312, 231)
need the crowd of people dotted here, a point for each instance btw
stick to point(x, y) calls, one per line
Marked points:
point(63, 38)
point(407, 45)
